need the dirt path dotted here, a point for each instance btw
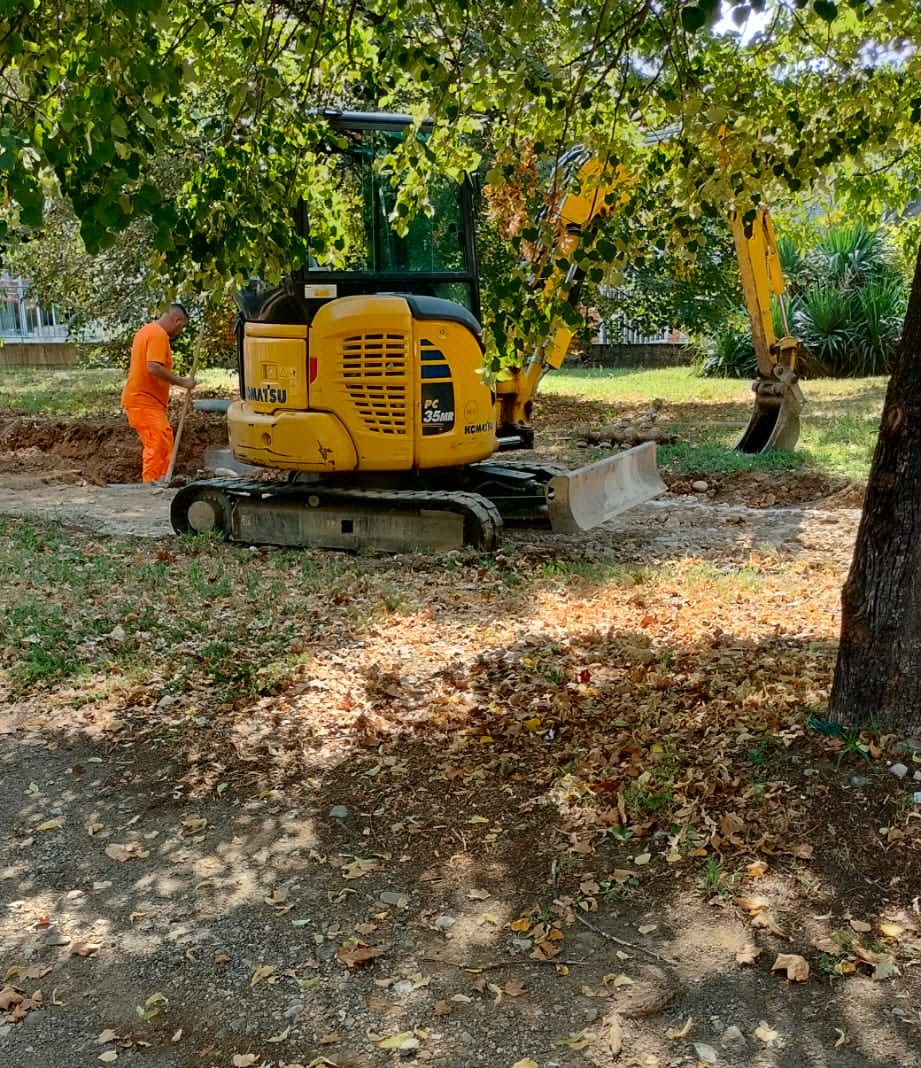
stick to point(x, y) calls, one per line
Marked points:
point(673, 525)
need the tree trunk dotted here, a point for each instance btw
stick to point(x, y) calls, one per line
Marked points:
point(878, 673)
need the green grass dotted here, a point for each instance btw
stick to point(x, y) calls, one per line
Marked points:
point(82, 393)
point(839, 423)
point(73, 609)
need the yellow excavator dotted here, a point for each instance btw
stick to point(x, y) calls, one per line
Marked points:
point(362, 383)
point(362, 388)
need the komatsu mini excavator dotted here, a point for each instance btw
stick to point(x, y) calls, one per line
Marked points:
point(362, 388)
point(366, 386)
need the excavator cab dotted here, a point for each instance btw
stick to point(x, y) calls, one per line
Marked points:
point(435, 257)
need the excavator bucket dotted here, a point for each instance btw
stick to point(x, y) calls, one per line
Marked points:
point(774, 422)
point(582, 499)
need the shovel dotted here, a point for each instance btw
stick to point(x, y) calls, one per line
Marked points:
point(186, 405)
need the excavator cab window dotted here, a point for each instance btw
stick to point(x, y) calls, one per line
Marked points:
point(436, 253)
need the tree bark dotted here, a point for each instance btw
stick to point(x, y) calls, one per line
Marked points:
point(878, 673)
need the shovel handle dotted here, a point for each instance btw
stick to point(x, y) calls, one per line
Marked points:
point(187, 404)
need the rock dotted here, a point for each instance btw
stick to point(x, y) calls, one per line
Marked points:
point(732, 1039)
point(859, 780)
point(117, 633)
point(700, 486)
point(393, 897)
point(909, 746)
point(705, 1053)
point(916, 797)
point(338, 812)
point(899, 770)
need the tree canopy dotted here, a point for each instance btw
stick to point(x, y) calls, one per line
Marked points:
point(194, 123)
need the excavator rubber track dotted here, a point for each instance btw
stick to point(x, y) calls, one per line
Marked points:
point(266, 512)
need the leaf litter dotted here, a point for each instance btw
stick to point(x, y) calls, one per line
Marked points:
point(568, 729)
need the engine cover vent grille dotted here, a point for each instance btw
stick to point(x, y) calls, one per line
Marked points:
point(375, 375)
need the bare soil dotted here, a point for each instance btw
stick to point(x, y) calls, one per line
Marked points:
point(178, 889)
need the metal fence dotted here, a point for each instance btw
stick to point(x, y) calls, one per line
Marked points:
point(22, 318)
point(624, 335)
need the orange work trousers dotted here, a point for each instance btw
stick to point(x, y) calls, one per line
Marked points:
point(156, 436)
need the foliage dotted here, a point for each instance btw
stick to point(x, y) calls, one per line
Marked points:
point(196, 123)
point(845, 302)
point(849, 301)
point(732, 351)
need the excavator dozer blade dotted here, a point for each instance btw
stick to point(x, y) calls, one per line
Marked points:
point(582, 499)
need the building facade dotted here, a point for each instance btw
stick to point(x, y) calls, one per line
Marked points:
point(30, 334)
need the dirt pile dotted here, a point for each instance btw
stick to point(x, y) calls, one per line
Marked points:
point(98, 451)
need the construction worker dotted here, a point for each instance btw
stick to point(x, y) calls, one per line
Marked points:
point(146, 393)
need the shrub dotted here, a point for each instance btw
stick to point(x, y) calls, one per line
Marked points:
point(730, 354)
point(846, 301)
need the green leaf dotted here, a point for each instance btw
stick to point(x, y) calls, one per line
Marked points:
point(693, 18)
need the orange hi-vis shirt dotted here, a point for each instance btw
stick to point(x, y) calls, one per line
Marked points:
point(151, 342)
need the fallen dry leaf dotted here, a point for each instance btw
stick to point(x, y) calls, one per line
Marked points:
point(765, 920)
point(683, 1033)
point(354, 953)
point(892, 930)
point(577, 1040)
point(886, 967)
point(360, 867)
point(747, 954)
point(766, 1033)
point(84, 949)
point(262, 972)
point(124, 851)
point(152, 1006)
point(796, 967)
point(8, 998)
point(606, 1042)
point(405, 1040)
point(803, 850)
